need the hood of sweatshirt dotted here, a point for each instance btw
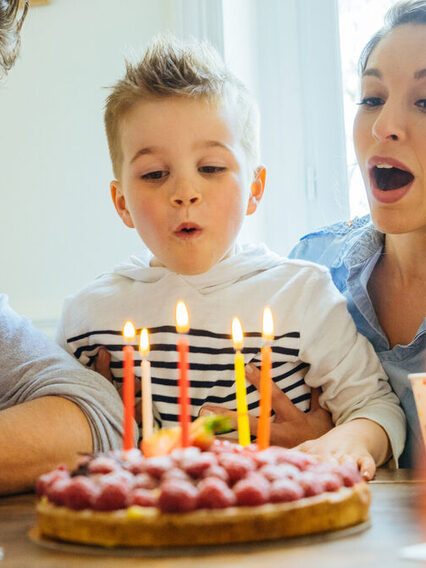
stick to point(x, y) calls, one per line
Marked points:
point(245, 261)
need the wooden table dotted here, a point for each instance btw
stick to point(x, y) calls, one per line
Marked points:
point(393, 526)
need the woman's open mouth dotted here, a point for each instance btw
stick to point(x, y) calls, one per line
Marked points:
point(390, 179)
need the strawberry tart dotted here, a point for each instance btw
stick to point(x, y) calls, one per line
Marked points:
point(198, 496)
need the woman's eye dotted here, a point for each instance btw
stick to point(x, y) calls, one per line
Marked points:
point(211, 169)
point(371, 102)
point(421, 103)
point(159, 174)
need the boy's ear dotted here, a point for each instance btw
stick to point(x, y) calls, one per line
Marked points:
point(120, 203)
point(256, 190)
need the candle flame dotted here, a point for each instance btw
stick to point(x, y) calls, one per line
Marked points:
point(237, 334)
point(144, 342)
point(129, 330)
point(268, 324)
point(182, 317)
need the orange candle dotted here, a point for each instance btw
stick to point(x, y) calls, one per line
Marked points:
point(182, 326)
point(129, 333)
point(264, 426)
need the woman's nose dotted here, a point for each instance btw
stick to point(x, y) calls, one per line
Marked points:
point(389, 124)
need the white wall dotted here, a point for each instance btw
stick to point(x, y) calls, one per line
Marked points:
point(58, 227)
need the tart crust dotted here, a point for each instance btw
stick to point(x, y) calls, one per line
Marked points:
point(148, 527)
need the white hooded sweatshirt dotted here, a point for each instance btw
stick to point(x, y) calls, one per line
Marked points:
point(316, 342)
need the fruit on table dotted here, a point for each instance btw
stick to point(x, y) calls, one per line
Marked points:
point(201, 435)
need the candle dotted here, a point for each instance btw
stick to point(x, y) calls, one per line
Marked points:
point(182, 327)
point(240, 383)
point(146, 385)
point(264, 426)
point(129, 333)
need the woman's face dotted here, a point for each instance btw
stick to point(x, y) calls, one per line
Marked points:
point(390, 130)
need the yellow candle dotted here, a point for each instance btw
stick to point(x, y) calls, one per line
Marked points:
point(240, 384)
point(146, 386)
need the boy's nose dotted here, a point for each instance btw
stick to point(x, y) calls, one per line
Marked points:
point(389, 125)
point(185, 194)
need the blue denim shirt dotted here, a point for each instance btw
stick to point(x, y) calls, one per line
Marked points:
point(350, 250)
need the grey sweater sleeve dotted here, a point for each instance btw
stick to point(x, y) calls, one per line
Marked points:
point(33, 366)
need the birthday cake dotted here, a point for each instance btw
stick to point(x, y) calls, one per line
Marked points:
point(220, 494)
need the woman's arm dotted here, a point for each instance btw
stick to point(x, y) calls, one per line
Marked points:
point(291, 426)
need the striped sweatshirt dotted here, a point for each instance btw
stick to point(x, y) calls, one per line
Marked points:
point(316, 343)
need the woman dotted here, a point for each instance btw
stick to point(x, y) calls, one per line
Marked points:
point(380, 264)
point(50, 406)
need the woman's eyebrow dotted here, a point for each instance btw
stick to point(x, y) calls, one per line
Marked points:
point(372, 72)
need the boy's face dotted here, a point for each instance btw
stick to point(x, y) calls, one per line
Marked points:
point(184, 183)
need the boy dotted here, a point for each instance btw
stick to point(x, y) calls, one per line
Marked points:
point(183, 139)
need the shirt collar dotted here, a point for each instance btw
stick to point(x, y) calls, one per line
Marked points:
point(360, 246)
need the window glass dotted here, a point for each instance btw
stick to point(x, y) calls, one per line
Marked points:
point(358, 21)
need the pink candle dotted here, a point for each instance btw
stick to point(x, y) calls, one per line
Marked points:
point(146, 386)
point(182, 326)
point(129, 333)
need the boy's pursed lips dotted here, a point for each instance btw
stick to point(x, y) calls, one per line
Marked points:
point(187, 230)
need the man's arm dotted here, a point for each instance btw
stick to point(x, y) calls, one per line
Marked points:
point(38, 435)
point(50, 405)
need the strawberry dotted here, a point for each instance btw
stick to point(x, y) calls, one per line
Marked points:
point(201, 434)
point(161, 443)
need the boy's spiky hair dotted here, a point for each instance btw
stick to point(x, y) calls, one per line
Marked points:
point(173, 68)
point(10, 26)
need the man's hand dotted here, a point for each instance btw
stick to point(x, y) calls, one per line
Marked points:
point(291, 425)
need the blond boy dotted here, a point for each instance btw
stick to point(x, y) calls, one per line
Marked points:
point(183, 139)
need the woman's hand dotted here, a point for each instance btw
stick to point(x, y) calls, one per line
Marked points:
point(102, 362)
point(291, 425)
point(351, 441)
point(102, 366)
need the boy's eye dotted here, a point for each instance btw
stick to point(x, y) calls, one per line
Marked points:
point(211, 169)
point(421, 103)
point(371, 102)
point(159, 174)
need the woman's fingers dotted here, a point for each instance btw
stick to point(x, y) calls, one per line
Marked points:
point(253, 375)
point(102, 366)
point(281, 404)
point(367, 467)
point(102, 361)
point(315, 394)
